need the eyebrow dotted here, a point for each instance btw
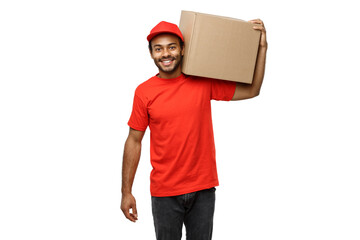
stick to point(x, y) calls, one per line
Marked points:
point(159, 45)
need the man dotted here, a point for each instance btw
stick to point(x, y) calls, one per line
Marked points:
point(177, 110)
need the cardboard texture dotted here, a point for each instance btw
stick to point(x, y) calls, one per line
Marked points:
point(219, 47)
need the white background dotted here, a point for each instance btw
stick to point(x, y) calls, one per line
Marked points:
point(288, 160)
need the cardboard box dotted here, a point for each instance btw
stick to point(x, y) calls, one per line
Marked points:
point(219, 47)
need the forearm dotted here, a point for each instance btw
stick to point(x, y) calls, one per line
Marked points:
point(131, 159)
point(245, 91)
point(259, 71)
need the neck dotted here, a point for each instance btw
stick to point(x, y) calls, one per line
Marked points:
point(170, 75)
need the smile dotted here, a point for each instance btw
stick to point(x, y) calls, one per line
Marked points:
point(167, 62)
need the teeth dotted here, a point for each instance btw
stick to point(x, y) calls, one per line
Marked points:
point(166, 62)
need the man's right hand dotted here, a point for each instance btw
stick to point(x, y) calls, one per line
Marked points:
point(127, 202)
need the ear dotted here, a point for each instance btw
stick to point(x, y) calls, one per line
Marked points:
point(183, 50)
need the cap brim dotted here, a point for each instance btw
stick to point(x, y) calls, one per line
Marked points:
point(152, 35)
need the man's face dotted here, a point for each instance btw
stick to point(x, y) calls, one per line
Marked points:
point(166, 52)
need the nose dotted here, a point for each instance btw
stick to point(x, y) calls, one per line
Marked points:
point(166, 53)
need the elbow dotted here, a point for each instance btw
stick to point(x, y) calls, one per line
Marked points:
point(243, 92)
point(254, 94)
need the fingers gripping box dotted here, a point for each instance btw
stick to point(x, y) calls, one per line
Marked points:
point(219, 47)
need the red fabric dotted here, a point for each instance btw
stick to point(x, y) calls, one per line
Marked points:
point(178, 113)
point(165, 27)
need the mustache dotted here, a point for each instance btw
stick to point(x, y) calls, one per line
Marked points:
point(167, 58)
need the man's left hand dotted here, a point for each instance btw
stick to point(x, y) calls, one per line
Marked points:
point(259, 25)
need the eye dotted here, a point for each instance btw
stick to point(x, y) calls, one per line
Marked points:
point(157, 49)
point(172, 47)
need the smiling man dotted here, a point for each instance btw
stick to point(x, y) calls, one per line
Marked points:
point(177, 109)
point(170, 62)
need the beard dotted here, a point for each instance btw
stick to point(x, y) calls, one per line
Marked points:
point(177, 59)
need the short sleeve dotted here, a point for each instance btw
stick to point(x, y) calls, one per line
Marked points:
point(222, 90)
point(139, 119)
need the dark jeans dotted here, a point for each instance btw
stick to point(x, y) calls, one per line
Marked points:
point(194, 210)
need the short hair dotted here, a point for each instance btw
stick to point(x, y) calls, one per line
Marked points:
point(180, 41)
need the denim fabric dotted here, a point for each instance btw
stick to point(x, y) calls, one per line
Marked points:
point(194, 210)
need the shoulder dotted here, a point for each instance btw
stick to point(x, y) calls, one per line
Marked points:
point(198, 79)
point(191, 77)
point(144, 87)
point(216, 82)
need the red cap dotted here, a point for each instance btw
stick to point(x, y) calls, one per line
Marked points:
point(165, 27)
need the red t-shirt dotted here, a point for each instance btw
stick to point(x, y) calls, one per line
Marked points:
point(178, 113)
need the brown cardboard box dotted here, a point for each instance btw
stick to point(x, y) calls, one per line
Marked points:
point(219, 47)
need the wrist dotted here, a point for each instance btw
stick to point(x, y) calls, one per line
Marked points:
point(125, 191)
point(263, 47)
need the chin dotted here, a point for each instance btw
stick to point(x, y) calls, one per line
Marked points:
point(169, 69)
